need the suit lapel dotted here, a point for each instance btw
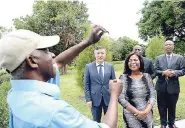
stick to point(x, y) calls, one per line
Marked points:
point(105, 71)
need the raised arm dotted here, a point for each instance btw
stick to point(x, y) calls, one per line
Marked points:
point(111, 116)
point(68, 55)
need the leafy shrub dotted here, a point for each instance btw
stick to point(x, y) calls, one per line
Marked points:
point(4, 111)
point(4, 88)
point(4, 76)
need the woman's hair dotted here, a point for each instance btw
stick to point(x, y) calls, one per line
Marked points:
point(127, 70)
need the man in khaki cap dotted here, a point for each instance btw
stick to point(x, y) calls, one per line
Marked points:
point(32, 101)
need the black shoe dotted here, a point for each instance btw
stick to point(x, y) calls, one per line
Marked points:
point(172, 126)
point(163, 126)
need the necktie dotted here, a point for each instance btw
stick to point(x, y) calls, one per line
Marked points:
point(101, 72)
point(168, 59)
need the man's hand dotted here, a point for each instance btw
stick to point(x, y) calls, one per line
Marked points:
point(96, 34)
point(167, 73)
point(115, 87)
point(172, 73)
point(89, 104)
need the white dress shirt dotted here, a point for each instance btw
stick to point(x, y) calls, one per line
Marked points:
point(169, 55)
point(98, 67)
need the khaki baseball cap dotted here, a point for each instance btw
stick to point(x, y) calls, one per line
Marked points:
point(17, 45)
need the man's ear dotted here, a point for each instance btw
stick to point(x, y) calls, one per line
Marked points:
point(32, 62)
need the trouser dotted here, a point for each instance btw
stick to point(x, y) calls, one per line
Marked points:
point(97, 111)
point(167, 105)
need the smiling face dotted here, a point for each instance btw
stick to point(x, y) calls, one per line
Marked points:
point(134, 63)
point(100, 55)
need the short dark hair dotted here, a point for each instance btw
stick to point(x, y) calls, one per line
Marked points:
point(99, 47)
point(127, 69)
point(18, 73)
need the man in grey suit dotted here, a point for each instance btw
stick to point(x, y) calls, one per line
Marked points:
point(169, 67)
point(96, 83)
point(148, 65)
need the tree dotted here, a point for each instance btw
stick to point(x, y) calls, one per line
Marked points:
point(64, 18)
point(87, 56)
point(167, 17)
point(155, 47)
point(116, 47)
point(127, 46)
point(180, 48)
point(122, 47)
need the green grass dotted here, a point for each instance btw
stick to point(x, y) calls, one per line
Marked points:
point(71, 92)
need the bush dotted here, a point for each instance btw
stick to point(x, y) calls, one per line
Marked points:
point(4, 76)
point(155, 47)
point(4, 88)
point(4, 111)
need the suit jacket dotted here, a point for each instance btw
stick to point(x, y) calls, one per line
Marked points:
point(149, 67)
point(171, 85)
point(94, 88)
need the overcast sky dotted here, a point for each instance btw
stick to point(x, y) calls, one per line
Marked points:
point(119, 17)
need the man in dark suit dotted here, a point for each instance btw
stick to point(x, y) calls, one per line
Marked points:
point(96, 83)
point(169, 67)
point(148, 65)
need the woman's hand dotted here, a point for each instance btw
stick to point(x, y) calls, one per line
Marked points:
point(141, 115)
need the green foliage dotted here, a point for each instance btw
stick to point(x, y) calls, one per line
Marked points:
point(4, 111)
point(4, 76)
point(87, 56)
point(122, 47)
point(64, 18)
point(4, 88)
point(116, 48)
point(167, 17)
point(128, 45)
point(4, 30)
point(180, 48)
point(155, 47)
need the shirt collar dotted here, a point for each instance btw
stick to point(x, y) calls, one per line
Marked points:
point(35, 85)
point(169, 55)
point(99, 64)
